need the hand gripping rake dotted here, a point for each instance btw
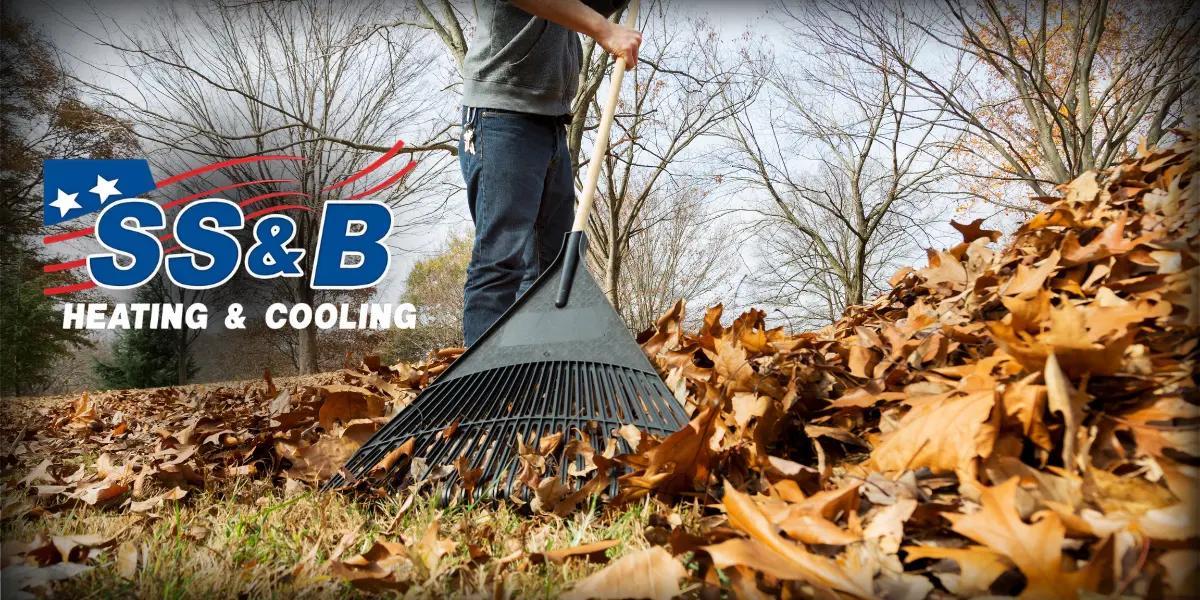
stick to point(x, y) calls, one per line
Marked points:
point(559, 360)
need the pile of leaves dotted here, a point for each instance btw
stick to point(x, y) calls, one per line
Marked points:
point(1007, 421)
point(180, 438)
point(1017, 422)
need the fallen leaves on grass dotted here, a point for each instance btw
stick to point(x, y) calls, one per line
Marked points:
point(1016, 421)
point(651, 573)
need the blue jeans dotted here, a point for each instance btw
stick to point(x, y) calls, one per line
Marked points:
point(521, 194)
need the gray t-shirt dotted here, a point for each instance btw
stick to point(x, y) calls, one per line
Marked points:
point(520, 62)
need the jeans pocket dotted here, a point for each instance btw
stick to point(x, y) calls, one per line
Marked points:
point(488, 121)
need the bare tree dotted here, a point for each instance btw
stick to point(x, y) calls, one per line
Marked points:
point(689, 83)
point(1044, 90)
point(685, 253)
point(223, 81)
point(685, 85)
point(452, 25)
point(845, 159)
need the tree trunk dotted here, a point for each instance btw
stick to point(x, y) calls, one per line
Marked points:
point(612, 274)
point(307, 337)
point(858, 278)
point(308, 350)
point(181, 358)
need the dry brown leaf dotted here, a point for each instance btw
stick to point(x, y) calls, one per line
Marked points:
point(127, 560)
point(1035, 548)
point(769, 552)
point(346, 403)
point(978, 567)
point(379, 568)
point(593, 552)
point(651, 573)
point(430, 549)
point(886, 525)
point(1064, 400)
point(943, 434)
point(154, 502)
point(812, 529)
point(101, 492)
point(680, 461)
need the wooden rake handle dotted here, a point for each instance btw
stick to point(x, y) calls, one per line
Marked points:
point(601, 146)
point(575, 240)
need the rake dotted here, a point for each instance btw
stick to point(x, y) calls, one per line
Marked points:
point(558, 361)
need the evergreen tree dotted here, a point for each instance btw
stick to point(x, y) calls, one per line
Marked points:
point(41, 116)
point(144, 358)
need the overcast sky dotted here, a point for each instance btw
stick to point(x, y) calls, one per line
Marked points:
point(62, 22)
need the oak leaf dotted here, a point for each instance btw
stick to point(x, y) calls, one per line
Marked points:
point(1035, 548)
point(767, 551)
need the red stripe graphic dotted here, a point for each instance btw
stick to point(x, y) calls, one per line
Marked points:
point(67, 289)
point(274, 209)
point(222, 165)
point(249, 201)
point(390, 180)
point(223, 188)
point(70, 235)
point(64, 266)
point(395, 149)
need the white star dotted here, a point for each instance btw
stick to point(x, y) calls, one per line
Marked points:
point(65, 202)
point(105, 188)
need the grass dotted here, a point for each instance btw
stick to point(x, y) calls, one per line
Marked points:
point(245, 539)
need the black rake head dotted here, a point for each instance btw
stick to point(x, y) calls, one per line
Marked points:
point(541, 370)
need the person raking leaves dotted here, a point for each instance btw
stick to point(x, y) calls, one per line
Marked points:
point(519, 78)
point(559, 361)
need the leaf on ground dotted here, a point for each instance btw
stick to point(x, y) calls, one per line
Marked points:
point(18, 580)
point(431, 548)
point(767, 551)
point(346, 403)
point(101, 492)
point(651, 573)
point(944, 434)
point(379, 568)
point(391, 458)
point(886, 525)
point(127, 560)
point(1035, 548)
point(977, 566)
point(1062, 399)
point(593, 552)
point(157, 501)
